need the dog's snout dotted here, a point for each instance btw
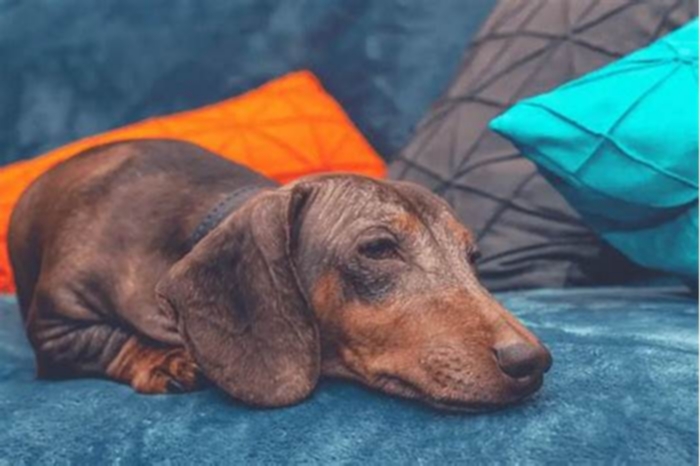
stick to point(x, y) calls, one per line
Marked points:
point(522, 360)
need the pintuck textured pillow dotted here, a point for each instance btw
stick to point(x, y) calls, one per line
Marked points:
point(285, 129)
point(623, 141)
point(529, 235)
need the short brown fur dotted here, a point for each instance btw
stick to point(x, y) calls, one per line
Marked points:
point(333, 275)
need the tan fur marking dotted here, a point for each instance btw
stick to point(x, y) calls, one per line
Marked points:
point(151, 369)
point(326, 295)
point(408, 223)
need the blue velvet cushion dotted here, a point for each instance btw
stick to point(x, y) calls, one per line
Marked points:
point(623, 390)
point(621, 145)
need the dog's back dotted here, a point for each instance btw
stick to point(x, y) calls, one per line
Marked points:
point(153, 192)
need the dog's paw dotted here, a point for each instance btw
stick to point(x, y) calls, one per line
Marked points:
point(173, 371)
point(156, 370)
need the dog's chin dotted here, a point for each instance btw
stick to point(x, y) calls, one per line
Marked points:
point(454, 400)
point(521, 390)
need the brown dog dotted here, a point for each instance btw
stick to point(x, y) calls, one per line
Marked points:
point(150, 261)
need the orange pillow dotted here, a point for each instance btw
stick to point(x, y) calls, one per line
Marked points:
point(285, 129)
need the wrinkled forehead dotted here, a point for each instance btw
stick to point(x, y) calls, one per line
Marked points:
point(346, 204)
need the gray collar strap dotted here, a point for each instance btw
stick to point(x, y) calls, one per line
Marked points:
point(220, 211)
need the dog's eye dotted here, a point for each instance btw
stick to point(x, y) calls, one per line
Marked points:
point(473, 255)
point(382, 248)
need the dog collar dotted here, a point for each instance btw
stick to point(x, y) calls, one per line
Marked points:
point(220, 211)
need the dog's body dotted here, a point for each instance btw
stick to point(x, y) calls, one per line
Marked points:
point(96, 287)
point(271, 292)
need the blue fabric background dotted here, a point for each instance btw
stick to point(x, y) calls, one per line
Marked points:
point(71, 68)
point(623, 389)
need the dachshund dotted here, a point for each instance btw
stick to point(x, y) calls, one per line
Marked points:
point(161, 265)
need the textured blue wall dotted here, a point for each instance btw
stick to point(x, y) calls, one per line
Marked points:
point(74, 68)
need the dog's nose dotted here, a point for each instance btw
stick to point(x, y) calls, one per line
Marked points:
point(523, 359)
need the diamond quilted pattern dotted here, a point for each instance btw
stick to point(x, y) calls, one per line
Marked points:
point(528, 234)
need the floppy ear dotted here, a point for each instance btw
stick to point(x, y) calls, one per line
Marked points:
point(239, 307)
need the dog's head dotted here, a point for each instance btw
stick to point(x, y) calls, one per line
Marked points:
point(350, 277)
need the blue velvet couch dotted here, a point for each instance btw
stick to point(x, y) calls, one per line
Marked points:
point(623, 388)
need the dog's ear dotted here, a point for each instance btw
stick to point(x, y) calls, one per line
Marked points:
point(239, 307)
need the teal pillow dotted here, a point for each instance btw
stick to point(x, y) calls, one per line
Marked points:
point(621, 145)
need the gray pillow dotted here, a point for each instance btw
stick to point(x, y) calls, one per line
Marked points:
point(528, 235)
